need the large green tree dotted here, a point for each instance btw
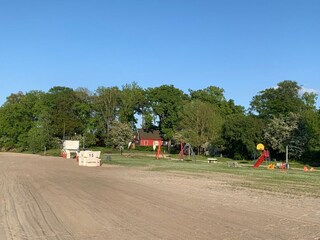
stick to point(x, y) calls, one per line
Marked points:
point(291, 118)
point(200, 124)
point(84, 109)
point(211, 94)
point(166, 103)
point(310, 126)
point(17, 116)
point(282, 99)
point(106, 105)
point(241, 134)
point(287, 130)
point(131, 100)
point(60, 104)
point(215, 96)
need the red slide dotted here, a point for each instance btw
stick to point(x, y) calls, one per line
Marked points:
point(260, 160)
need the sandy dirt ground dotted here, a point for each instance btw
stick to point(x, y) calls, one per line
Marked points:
point(53, 198)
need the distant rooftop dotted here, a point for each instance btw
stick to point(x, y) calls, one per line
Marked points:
point(151, 134)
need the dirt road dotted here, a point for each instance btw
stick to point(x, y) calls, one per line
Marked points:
point(53, 198)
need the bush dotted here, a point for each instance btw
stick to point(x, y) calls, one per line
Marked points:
point(237, 156)
point(53, 152)
point(144, 148)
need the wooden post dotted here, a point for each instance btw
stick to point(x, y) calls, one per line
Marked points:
point(181, 150)
point(287, 156)
point(159, 152)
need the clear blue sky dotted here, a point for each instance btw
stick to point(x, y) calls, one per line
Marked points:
point(242, 46)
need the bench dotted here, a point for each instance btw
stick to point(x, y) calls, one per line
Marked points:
point(210, 160)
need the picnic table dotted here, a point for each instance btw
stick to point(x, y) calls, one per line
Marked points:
point(212, 160)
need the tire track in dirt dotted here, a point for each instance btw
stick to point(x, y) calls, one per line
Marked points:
point(3, 208)
point(11, 218)
point(24, 216)
point(48, 218)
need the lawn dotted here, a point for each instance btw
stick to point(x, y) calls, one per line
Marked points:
point(293, 181)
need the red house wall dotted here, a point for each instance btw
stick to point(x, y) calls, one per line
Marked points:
point(149, 142)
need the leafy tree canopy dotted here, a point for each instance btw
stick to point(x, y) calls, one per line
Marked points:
point(241, 135)
point(200, 123)
point(121, 134)
point(131, 101)
point(215, 96)
point(282, 99)
point(166, 103)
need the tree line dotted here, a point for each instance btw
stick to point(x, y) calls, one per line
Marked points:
point(277, 117)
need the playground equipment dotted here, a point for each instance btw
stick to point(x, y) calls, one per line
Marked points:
point(70, 146)
point(264, 155)
point(159, 152)
point(186, 152)
point(260, 147)
point(305, 169)
point(89, 158)
point(271, 166)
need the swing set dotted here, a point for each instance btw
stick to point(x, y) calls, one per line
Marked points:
point(186, 152)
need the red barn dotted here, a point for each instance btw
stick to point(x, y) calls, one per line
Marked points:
point(148, 138)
